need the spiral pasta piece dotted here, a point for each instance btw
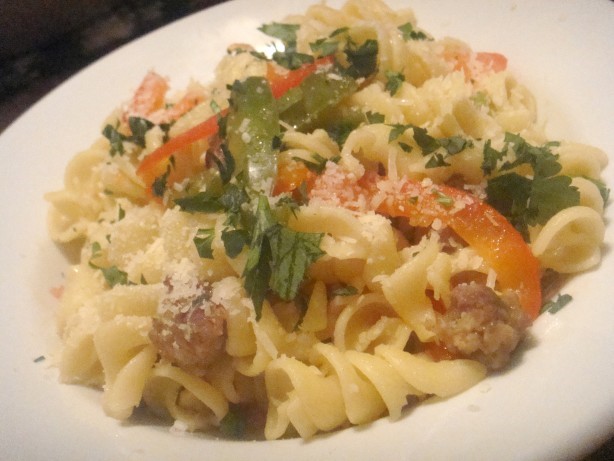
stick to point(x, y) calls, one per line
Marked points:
point(571, 240)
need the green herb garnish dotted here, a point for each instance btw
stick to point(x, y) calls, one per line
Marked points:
point(557, 304)
point(203, 240)
point(409, 33)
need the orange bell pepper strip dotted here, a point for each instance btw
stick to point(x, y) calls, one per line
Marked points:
point(158, 162)
point(482, 227)
point(291, 174)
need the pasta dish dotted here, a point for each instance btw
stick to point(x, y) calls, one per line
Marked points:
point(355, 219)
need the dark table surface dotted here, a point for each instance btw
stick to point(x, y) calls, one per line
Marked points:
point(34, 63)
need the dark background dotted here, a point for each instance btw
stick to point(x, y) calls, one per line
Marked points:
point(43, 42)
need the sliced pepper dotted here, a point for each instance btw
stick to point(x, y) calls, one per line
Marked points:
point(319, 92)
point(158, 164)
point(483, 228)
point(252, 128)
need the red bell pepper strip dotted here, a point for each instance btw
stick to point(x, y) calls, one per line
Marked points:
point(495, 61)
point(482, 227)
point(157, 163)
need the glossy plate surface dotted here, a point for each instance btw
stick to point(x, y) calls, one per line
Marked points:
point(557, 402)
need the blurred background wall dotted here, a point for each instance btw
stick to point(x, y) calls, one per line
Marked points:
point(43, 42)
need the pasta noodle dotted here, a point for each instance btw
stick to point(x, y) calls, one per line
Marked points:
point(323, 235)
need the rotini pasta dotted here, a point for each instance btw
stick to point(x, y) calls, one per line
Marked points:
point(323, 235)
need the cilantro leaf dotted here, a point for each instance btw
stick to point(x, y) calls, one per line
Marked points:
point(345, 290)
point(234, 241)
point(257, 270)
point(230, 200)
point(116, 139)
point(203, 202)
point(532, 199)
point(291, 59)
point(437, 160)
point(541, 159)
point(362, 59)
point(226, 166)
point(604, 191)
point(426, 142)
point(317, 163)
point(375, 117)
point(234, 424)
point(278, 257)
point(430, 145)
point(549, 196)
point(509, 195)
point(284, 32)
point(409, 33)
point(397, 131)
point(203, 240)
point(292, 254)
point(158, 187)
point(491, 158)
point(324, 47)
point(139, 127)
point(114, 276)
point(394, 80)
point(556, 305)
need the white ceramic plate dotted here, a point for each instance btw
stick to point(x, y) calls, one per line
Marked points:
point(557, 403)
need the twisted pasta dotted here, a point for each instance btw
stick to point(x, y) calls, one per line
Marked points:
point(323, 235)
